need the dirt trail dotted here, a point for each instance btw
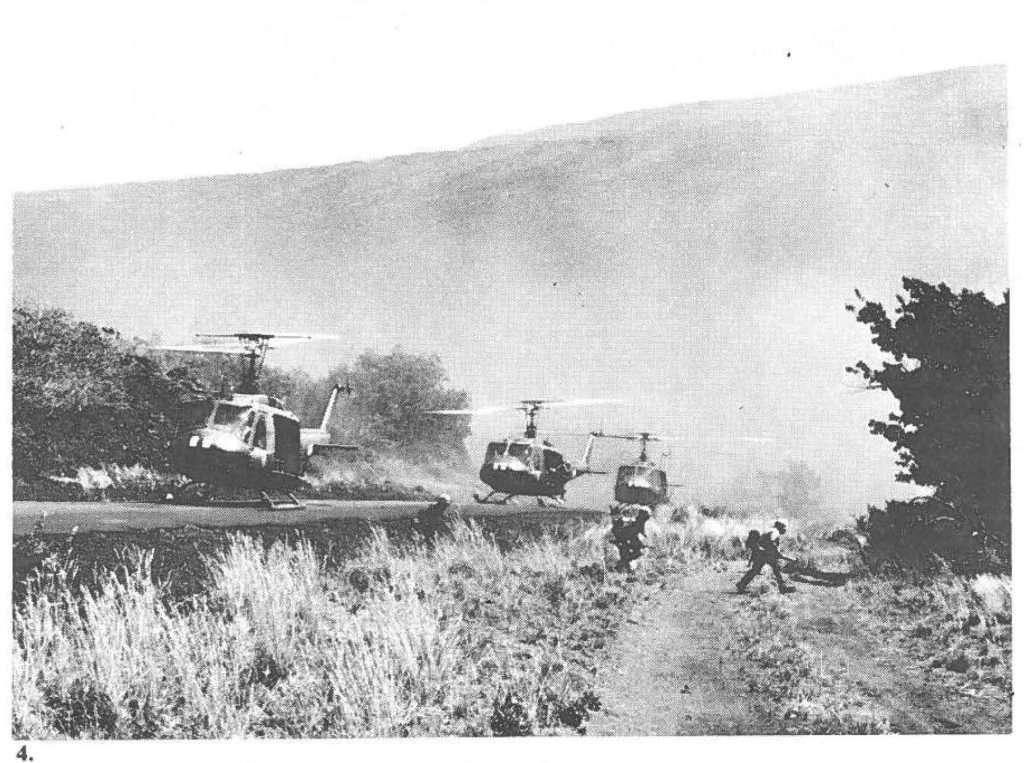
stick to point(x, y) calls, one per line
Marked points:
point(672, 675)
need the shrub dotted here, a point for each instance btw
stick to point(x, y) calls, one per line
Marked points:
point(947, 365)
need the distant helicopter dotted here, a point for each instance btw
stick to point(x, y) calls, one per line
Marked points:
point(528, 465)
point(250, 441)
point(641, 483)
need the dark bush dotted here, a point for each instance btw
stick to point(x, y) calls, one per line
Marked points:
point(83, 397)
point(947, 365)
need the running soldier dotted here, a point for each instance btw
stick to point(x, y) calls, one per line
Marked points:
point(764, 549)
point(626, 537)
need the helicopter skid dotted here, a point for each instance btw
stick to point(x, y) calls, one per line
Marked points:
point(290, 504)
point(496, 502)
point(542, 501)
point(264, 501)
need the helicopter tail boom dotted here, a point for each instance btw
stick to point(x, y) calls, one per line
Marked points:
point(329, 410)
point(588, 449)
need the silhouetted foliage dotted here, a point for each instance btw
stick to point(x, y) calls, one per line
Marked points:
point(83, 397)
point(948, 367)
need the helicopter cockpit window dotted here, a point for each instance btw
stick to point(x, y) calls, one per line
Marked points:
point(259, 435)
point(195, 414)
point(229, 416)
point(520, 450)
point(495, 450)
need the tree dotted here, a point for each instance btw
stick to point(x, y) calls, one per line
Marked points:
point(83, 397)
point(387, 412)
point(948, 367)
point(392, 394)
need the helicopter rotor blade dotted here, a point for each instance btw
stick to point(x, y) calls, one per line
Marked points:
point(523, 405)
point(575, 402)
point(286, 341)
point(486, 410)
point(267, 335)
point(204, 348)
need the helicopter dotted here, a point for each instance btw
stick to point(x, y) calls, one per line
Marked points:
point(527, 465)
point(641, 483)
point(250, 440)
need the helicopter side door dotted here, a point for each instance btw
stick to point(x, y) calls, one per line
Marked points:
point(287, 450)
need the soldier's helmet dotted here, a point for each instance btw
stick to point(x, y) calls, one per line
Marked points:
point(444, 498)
point(780, 525)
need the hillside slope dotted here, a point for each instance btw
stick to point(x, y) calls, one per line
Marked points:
point(694, 259)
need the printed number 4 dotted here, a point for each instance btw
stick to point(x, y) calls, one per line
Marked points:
point(23, 753)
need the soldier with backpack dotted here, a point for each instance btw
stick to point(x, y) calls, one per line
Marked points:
point(626, 538)
point(764, 549)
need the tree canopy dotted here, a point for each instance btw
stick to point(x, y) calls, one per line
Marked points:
point(83, 397)
point(388, 411)
point(947, 364)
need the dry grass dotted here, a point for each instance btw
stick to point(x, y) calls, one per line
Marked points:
point(470, 637)
point(460, 639)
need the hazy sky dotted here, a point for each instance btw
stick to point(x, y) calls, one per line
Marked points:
point(694, 261)
point(119, 91)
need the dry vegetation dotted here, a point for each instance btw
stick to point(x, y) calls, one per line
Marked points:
point(382, 479)
point(480, 635)
point(465, 638)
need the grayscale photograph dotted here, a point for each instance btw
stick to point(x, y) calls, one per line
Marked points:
point(376, 374)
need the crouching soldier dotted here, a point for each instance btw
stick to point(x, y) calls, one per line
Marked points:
point(764, 549)
point(626, 538)
point(429, 521)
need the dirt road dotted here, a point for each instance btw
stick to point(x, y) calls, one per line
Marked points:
point(674, 673)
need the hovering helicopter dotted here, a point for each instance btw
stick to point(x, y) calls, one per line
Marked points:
point(642, 483)
point(250, 440)
point(528, 465)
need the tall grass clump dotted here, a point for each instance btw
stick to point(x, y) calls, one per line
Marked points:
point(459, 639)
